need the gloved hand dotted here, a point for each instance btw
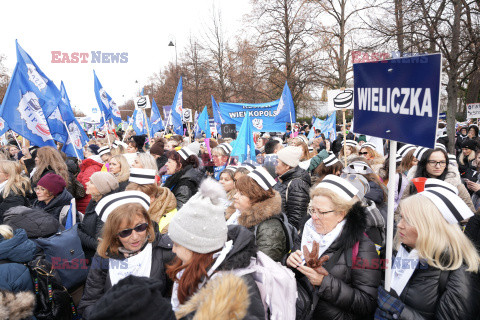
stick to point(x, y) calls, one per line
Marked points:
point(389, 307)
point(312, 261)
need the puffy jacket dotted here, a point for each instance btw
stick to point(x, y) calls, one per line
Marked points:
point(459, 142)
point(423, 299)
point(14, 276)
point(87, 168)
point(350, 290)
point(209, 302)
point(472, 231)
point(269, 234)
point(98, 280)
point(184, 184)
point(55, 206)
point(12, 200)
point(296, 182)
point(121, 186)
point(36, 222)
point(89, 230)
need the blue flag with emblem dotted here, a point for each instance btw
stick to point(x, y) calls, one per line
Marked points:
point(203, 123)
point(217, 116)
point(285, 109)
point(139, 123)
point(328, 127)
point(177, 110)
point(105, 103)
point(155, 119)
point(77, 137)
point(244, 146)
point(3, 126)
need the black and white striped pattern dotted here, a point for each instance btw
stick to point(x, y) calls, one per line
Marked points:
point(233, 168)
point(432, 184)
point(249, 166)
point(351, 143)
point(330, 160)
point(358, 167)
point(369, 145)
point(451, 206)
point(109, 203)
point(402, 152)
point(263, 178)
point(419, 152)
point(440, 146)
point(303, 138)
point(452, 160)
point(226, 147)
point(142, 176)
point(185, 153)
point(103, 150)
point(340, 186)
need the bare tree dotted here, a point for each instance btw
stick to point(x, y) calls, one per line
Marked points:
point(4, 77)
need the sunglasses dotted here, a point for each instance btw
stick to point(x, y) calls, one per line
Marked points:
point(127, 232)
point(363, 153)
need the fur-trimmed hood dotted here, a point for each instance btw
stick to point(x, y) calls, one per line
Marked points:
point(470, 158)
point(224, 297)
point(16, 306)
point(452, 177)
point(261, 211)
point(355, 225)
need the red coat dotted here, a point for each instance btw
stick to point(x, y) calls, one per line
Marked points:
point(87, 168)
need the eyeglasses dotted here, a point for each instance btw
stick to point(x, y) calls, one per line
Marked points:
point(434, 163)
point(317, 213)
point(363, 153)
point(127, 232)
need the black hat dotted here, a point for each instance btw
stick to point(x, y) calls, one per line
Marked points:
point(469, 144)
point(94, 148)
point(139, 141)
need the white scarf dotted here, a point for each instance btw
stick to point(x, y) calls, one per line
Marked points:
point(2, 185)
point(325, 241)
point(138, 265)
point(403, 267)
point(233, 220)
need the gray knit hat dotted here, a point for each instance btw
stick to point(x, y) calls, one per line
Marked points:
point(200, 224)
point(104, 182)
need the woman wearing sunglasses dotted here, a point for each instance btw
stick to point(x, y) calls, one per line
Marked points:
point(130, 245)
point(369, 152)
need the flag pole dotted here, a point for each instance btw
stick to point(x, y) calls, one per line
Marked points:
point(71, 140)
point(146, 123)
point(106, 123)
point(390, 215)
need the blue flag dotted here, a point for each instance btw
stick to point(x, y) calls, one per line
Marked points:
point(244, 145)
point(285, 109)
point(22, 110)
point(105, 103)
point(77, 137)
point(217, 115)
point(328, 127)
point(155, 119)
point(71, 215)
point(139, 123)
point(3, 126)
point(177, 110)
point(203, 122)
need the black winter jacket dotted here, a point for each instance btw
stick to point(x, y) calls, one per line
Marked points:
point(55, 206)
point(12, 200)
point(296, 182)
point(36, 222)
point(459, 300)
point(89, 230)
point(98, 280)
point(184, 184)
point(350, 290)
point(122, 185)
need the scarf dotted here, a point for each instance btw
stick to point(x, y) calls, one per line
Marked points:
point(403, 267)
point(164, 203)
point(310, 235)
point(217, 171)
point(138, 265)
point(2, 185)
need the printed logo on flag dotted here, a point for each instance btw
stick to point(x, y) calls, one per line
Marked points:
point(2, 124)
point(35, 77)
point(104, 97)
point(76, 135)
point(56, 115)
point(114, 108)
point(257, 123)
point(178, 106)
point(31, 111)
point(139, 120)
point(281, 104)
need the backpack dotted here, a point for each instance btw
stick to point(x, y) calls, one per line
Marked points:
point(64, 251)
point(291, 233)
point(52, 299)
point(277, 286)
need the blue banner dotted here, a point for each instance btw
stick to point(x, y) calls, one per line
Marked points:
point(328, 127)
point(203, 123)
point(155, 119)
point(262, 115)
point(244, 144)
point(3, 126)
point(286, 109)
point(139, 122)
point(105, 102)
point(398, 99)
point(217, 115)
point(177, 110)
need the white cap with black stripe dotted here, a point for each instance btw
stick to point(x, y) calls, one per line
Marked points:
point(369, 145)
point(340, 186)
point(103, 150)
point(185, 153)
point(358, 167)
point(351, 143)
point(402, 152)
point(452, 160)
point(263, 178)
point(419, 152)
point(109, 203)
point(451, 206)
point(226, 147)
point(142, 176)
point(249, 166)
point(433, 184)
point(330, 160)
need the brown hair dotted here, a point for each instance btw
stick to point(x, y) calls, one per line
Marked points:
point(195, 270)
point(110, 241)
point(248, 187)
point(322, 170)
point(50, 159)
point(150, 190)
point(406, 163)
point(371, 152)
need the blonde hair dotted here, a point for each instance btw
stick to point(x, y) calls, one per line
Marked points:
point(16, 183)
point(147, 161)
point(50, 159)
point(342, 154)
point(6, 231)
point(441, 244)
point(339, 203)
point(124, 173)
point(371, 152)
point(119, 150)
point(305, 153)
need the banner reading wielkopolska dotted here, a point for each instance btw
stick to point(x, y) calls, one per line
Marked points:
point(261, 114)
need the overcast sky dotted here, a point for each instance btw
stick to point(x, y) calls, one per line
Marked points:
point(141, 28)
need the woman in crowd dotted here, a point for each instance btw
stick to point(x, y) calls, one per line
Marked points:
point(49, 160)
point(336, 229)
point(220, 157)
point(465, 159)
point(473, 135)
point(53, 196)
point(118, 147)
point(144, 161)
point(350, 150)
point(99, 186)
point(329, 165)
point(302, 142)
point(91, 164)
point(129, 246)
point(184, 176)
point(257, 203)
point(158, 152)
point(368, 151)
point(14, 188)
point(406, 157)
point(227, 180)
point(434, 163)
point(135, 144)
point(119, 168)
point(440, 280)
point(204, 246)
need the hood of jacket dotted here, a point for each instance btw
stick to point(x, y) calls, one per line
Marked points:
point(296, 173)
point(192, 174)
point(18, 305)
point(17, 249)
point(243, 248)
point(355, 225)
point(91, 162)
point(224, 297)
point(62, 199)
point(452, 177)
point(261, 211)
point(36, 222)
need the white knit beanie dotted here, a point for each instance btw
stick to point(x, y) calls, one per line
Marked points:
point(200, 224)
point(290, 155)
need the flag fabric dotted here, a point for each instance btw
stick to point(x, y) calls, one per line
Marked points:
point(3, 127)
point(155, 119)
point(217, 116)
point(139, 122)
point(328, 127)
point(244, 144)
point(105, 102)
point(77, 138)
point(285, 109)
point(177, 110)
point(315, 125)
point(22, 109)
point(71, 218)
point(203, 123)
